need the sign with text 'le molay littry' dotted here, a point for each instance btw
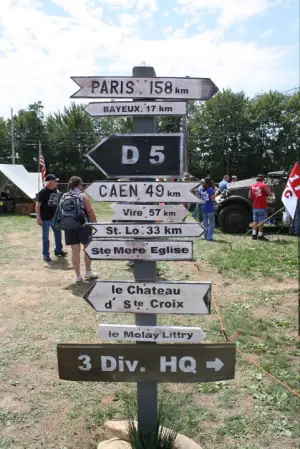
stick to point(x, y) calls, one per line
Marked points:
point(162, 297)
point(139, 155)
point(143, 192)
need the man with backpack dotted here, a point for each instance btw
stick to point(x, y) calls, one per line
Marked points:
point(47, 201)
point(74, 212)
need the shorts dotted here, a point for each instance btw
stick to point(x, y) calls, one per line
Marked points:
point(81, 235)
point(259, 215)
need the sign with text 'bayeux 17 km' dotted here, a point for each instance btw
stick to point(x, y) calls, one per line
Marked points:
point(156, 363)
point(143, 192)
point(142, 212)
point(134, 87)
point(158, 334)
point(136, 230)
point(170, 297)
point(139, 250)
point(136, 108)
point(139, 155)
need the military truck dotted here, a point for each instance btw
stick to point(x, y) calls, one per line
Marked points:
point(233, 210)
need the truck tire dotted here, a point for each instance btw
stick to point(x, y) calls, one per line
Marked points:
point(234, 219)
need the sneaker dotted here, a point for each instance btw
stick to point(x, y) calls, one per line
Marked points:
point(60, 253)
point(254, 237)
point(47, 258)
point(263, 238)
point(90, 275)
point(78, 279)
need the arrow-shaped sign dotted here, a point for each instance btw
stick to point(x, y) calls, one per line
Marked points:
point(139, 250)
point(139, 155)
point(137, 230)
point(133, 87)
point(216, 364)
point(165, 213)
point(143, 192)
point(171, 297)
point(137, 108)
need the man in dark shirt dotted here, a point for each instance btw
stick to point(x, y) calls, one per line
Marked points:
point(47, 201)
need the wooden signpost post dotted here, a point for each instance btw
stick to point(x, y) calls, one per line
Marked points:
point(145, 155)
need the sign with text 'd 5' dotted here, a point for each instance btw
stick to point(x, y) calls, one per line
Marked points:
point(139, 155)
point(138, 230)
point(136, 108)
point(136, 250)
point(143, 192)
point(140, 362)
point(170, 297)
point(159, 334)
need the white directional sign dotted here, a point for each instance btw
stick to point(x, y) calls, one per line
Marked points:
point(137, 108)
point(134, 87)
point(171, 297)
point(136, 230)
point(133, 249)
point(144, 212)
point(143, 192)
point(161, 334)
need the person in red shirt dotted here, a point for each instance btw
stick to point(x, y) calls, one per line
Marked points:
point(258, 194)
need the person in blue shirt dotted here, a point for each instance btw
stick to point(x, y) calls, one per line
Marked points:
point(206, 194)
point(223, 185)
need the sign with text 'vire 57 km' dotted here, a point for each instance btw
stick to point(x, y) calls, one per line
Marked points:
point(137, 363)
point(134, 87)
point(143, 192)
point(137, 230)
point(171, 297)
point(139, 250)
point(139, 155)
point(137, 108)
point(166, 213)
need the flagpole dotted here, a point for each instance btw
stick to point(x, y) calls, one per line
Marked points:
point(39, 166)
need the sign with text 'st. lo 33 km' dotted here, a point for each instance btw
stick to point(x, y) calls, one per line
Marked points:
point(143, 192)
point(140, 362)
point(138, 230)
point(134, 87)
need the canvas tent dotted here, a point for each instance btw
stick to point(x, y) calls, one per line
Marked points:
point(28, 183)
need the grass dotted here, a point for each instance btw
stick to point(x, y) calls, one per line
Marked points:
point(40, 307)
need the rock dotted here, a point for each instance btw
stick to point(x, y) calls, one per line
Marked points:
point(114, 443)
point(120, 430)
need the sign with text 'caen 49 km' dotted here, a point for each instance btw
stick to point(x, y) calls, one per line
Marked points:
point(143, 192)
point(171, 212)
point(137, 230)
point(138, 363)
point(137, 108)
point(159, 334)
point(171, 297)
point(134, 87)
point(139, 155)
point(136, 250)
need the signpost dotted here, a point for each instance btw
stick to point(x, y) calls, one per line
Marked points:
point(147, 362)
point(137, 108)
point(143, 192)
point(165, 213)
point(158, 334)
point(149, 230)
point(139, 250)
point(139, 155)
point(143, 87)
point(171, 297)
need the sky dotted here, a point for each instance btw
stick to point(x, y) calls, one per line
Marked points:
point(249, 45)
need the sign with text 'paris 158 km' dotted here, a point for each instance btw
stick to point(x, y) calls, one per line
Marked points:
point(137, 230)
point(170, 297)
point(156, 363)
point(143, 192)
point(139, 155)
point(134, 87)
point(162, 212)
point(136, 108)
point(139, 250)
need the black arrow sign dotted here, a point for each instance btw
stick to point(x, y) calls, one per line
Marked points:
point(139, 155)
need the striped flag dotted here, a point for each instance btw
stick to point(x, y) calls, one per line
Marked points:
point(42, 163)
point(291, 193)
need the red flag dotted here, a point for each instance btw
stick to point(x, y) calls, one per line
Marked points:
point(291, 192)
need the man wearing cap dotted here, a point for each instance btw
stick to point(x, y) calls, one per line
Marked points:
point(258, 194)
point(47, 201)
